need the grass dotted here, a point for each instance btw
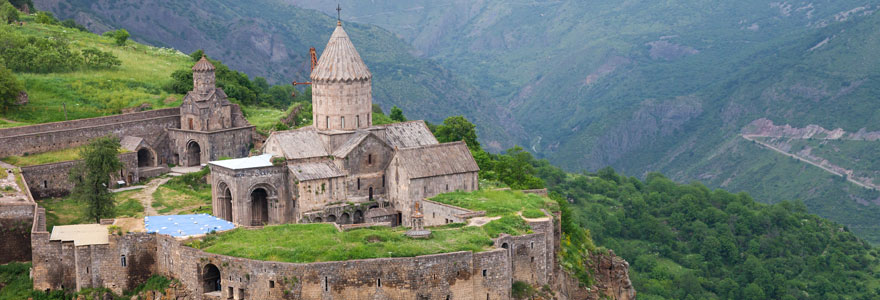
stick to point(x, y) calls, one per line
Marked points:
point(189, 190)
point(303, 243)
point(495, 202)
point(47, 157)
point(94, 93)
point(66, 211)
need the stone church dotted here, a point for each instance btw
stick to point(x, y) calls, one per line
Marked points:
point(343, 168)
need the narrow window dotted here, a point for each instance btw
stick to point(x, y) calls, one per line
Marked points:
point(359, 183)
point(327, 122)
point(358, 120)
point(484, 273)
point(190, 124)
point(123, 261)
point(447, 297)
point(45, 184)
point(326, 285)
point(87, 270)
point(369, 159)
point(426, 190)
point(383, 180)
point(447, 187)
point(379, 282)
point(271, 284)
point(533, 259)
point(342, 122)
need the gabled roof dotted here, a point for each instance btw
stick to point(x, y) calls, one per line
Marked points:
point(130, 143)
point(437, 160)
point(312, 171)
point(300, 143)
point(408, 134)
point(203, 65)
point(356, 139)
point(340, 60)
point(201, 100)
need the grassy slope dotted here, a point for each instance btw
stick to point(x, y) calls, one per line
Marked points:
point(322, 242)
point(90, 93)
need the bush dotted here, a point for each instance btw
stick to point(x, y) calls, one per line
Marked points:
point(45, 17)
point(9, 88)
point(69, 23)
point(121, 36)
point(8, 13)
point(46, 55)
point(97, 59)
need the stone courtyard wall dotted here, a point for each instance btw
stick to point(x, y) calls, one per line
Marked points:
point(437, 213)
point(15, 231)
point(61, 135)
point(50, 180)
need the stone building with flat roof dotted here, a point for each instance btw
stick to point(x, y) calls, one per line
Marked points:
point(342, 168)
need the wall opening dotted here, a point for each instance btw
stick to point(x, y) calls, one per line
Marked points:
point(326, 284)
point(358, 217)
point(379, 282)
point(193, 154)
point(345, 218)
point(227, 204)
point(369, 159)
point(371, 193)
point(259, 207)
point(271, 284)
point(145, 158)
point(318, 220)
point(505, 246)
point(211, 278)
point(123, 262)
point(331, 218)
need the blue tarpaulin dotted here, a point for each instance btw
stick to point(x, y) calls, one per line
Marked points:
point(186, 225)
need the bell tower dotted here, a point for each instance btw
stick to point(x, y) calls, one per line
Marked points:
point(203, 77)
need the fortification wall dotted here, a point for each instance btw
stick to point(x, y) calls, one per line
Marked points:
point(60, 135)
point(50, 180)
point(15, 231)
point(459, 275)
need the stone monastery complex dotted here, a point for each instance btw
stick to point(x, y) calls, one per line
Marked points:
point(342, 170)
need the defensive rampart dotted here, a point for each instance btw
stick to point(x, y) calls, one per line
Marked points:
point(61, 135)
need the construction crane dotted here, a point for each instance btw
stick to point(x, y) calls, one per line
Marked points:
point(314, 60)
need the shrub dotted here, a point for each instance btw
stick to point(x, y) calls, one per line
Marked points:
point(97, 59)
point(8, 13)
point(69, 23)
point(45, 17)
point(9, 89)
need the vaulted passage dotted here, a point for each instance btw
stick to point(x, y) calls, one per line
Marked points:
point(145, 158)
point(193, 154)
point(260, 207)
point(211, 278)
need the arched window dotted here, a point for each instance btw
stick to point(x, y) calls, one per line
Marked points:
point(327, 122)
point(342, 122)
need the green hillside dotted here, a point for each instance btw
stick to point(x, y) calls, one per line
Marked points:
point(270, 38)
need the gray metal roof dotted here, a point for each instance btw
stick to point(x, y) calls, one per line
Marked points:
point(259, 161)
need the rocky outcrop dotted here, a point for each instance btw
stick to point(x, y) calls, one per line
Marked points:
point(610, 280)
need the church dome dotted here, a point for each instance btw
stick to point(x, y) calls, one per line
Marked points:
point(203, 65)
point(340, 61)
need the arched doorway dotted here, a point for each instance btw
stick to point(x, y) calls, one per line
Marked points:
point(211, 278)
point(259, 207)
point(317, 220)
point(331, 218)
point(371, 193)
point(344, 219)
point(146, 158)
point(358, 217)
point(225, 202)
point(193, 154)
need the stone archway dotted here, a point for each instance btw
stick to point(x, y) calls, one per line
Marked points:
point(211, 278)
point(358, 217)
point(331, 218)
point(146, 158)
point(259, 207)
point(345, 218)
point(224, 198)
point(193, 154)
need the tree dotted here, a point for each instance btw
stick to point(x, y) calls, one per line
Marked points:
point(197, 55)
point(9, 13)
point(456, 128)
point(397, 114)
point(10, 87)
point(97, 59)
point(91, 177)
point(45, 17)
point(121, 36)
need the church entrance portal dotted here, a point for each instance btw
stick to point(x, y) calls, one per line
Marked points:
point(211, 278)
point(193, 154)
point(145, 158)
point(259, 207)
point(226, 201)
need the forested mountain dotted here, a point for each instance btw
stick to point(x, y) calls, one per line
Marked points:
point(639, 85)
point(271, 39)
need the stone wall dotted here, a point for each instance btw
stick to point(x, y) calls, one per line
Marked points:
point(50, 180)
point(15, 231)
point(241, 184)
point(213, 145)
point(314, 195)
point(367, 163)
point(335, 100)
point(61, 135)
point(459, 275)
point(423, 188)
point(437, 213)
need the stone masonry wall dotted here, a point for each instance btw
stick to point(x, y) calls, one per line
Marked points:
point(62, 135)
point(15, 231)
point(439, 214)
point(242, 183)
point(50, 180)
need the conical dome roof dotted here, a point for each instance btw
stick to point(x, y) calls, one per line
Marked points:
point(340, 60)
point(203, 65)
